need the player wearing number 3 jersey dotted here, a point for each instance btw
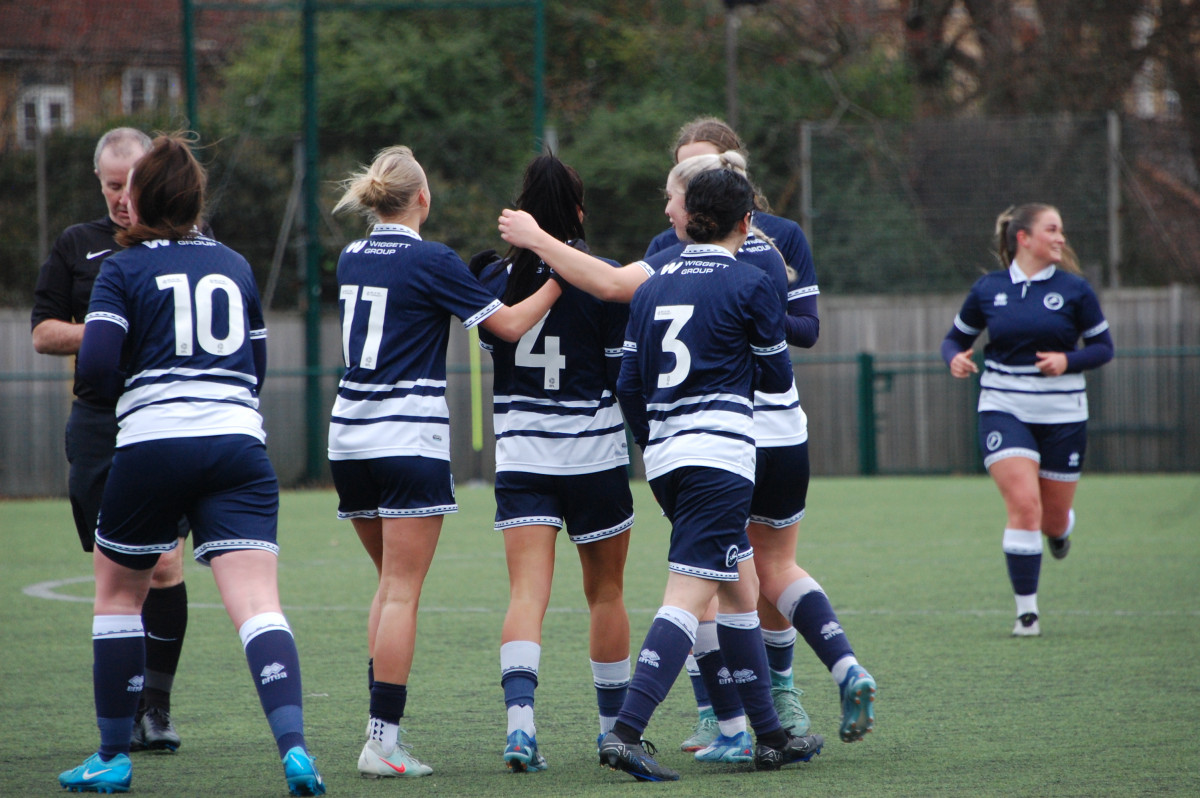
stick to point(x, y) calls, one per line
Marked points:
point(389, 436)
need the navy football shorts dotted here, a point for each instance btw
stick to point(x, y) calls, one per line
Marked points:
point(708, 509)
point(223, 483)
point(780, 485)
point(1058, 449)
point(591, 506)
point(393, 487)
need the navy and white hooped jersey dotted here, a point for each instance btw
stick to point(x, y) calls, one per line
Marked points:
point(1048, 312)
point(397, 294)
point(699, 331)
point(190, 310)
point(555, 411)
point(779, 420)
point(788, 237)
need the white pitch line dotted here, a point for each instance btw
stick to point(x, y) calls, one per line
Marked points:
point(49, 591)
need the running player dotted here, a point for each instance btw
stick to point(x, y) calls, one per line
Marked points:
point(561, 460)
point(389, 446)
point(175, 335)
point(1032, 404)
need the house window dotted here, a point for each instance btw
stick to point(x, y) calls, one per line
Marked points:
point(149, 90)
point(42, 109)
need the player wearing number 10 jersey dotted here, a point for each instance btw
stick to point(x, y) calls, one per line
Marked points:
point(175, 330)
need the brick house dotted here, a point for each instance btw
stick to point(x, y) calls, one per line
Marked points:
point(65, 62)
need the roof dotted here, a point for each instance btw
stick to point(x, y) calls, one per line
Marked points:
point(90, 31)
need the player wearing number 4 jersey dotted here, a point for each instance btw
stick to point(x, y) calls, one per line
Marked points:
point(389, 435)
point(175, 330)
point(560, 461)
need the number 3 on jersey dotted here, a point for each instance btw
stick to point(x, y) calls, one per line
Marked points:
point(678, 315)
point(551, 360)
point(377, 297)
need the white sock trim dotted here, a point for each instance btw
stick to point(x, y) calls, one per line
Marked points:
point(263, 622)
point(520, 655)
point(738, 620)
point(520, 717)
point(1026, 604)
point(706, 640)
point(733, 725)
point(611, 674)
point(779, 638)
point(841, 668)
point(111, 627)
point(793, 593)
point(1027, 542)
point(687, 622)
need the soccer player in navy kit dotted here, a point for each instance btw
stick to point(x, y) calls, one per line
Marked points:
point(704, 332)
point(1032, 403)
point(175, 334)
point(707, 135)
point(561, 461)
point(389, 447)
point(60, 303)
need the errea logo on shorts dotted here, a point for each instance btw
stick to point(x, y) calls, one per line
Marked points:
point(273, 673)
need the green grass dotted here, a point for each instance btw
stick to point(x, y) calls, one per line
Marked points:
point(1106, 702)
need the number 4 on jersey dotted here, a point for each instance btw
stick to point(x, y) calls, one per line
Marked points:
point(551, 360)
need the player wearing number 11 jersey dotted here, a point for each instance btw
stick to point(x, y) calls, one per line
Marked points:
point(389, 436)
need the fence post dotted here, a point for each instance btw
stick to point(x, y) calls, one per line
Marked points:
point(868, 464)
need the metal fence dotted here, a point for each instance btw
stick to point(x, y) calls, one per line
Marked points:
point(878, 398)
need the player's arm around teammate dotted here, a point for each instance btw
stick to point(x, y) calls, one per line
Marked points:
point(389, 431)
point(1033, 403)
point(561, 462)
point(175, 330)
point(699, 332)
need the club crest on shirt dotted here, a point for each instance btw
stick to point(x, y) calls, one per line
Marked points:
point(994, 439)
point(1053, 301)
point(1001, 300)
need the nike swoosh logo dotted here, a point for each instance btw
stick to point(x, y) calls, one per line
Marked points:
point(87, 774)
point(397, 768)
point(91, 255)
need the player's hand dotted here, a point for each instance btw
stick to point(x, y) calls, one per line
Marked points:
point(519, 228)
point(962, 365)
point(1051, 364)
